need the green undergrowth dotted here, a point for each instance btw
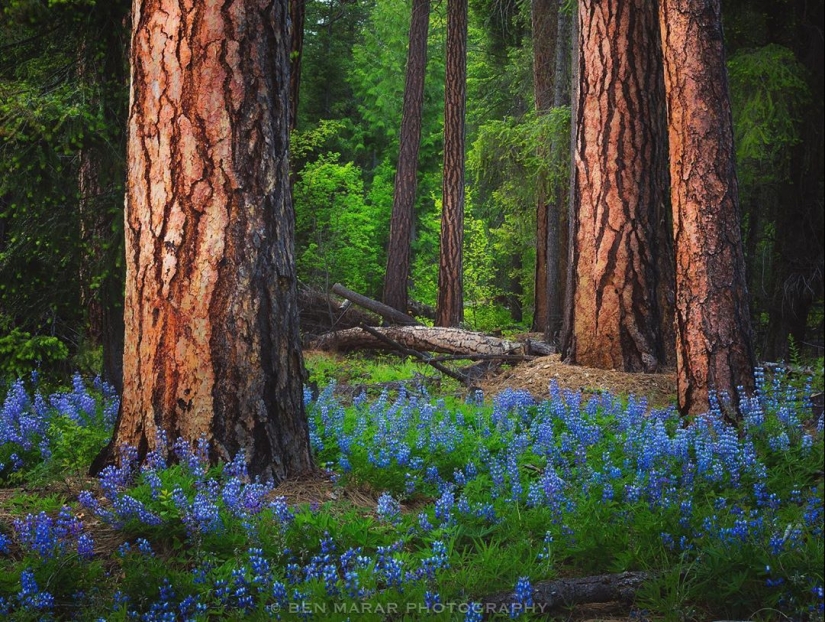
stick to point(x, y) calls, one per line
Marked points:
point(427, 506)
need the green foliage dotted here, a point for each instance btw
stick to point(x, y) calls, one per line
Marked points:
point(508, 161)
point(62, 94)
point(337, 230)
point(378, 77)
point(371, 372)
point(727, 529)
point(768, 93)
point(20, 352)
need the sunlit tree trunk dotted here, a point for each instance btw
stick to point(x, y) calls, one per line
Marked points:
point(713, 334)
point(212, 343)
point(450, 305)
point(406, 174)
point(544, 17)
point(621, 256)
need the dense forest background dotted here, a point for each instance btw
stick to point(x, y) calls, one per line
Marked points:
point(63, 107)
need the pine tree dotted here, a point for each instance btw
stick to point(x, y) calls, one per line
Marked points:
point(713, 336)
point(450, 307)
point(406, 175)
point(621, 261)
point(212, 345)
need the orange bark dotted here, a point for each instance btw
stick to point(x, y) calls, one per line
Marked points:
point(450, 307)
point(212, 345)
point(714, 350)
point(622, 273)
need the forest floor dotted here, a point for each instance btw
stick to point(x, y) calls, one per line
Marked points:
point(494, 377)
point(535, 376)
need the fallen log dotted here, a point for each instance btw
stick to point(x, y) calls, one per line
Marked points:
point(560, 593)
point(321, 313)
point(392, 315)
point(397, 347)
point(484, 357)
point(420, 338)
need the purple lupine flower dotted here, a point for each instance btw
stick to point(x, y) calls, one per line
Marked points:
point(389, 509)
point(85, 546)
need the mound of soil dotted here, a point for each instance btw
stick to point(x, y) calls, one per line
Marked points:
point(535, 376)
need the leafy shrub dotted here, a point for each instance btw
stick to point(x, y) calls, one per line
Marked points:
point(40, 437)
point(20, 352)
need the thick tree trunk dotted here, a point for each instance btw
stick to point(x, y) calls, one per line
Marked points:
point(212, 341)
point(544, 17)
point(102, 61)
point(421, 338)
point(621, 255)
point(714, 350)
point(406, 174)
point(450, 303)
point(91, 236)
point(104, 302)
point(573, 195)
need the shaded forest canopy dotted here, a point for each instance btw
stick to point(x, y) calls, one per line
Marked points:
point(63, 109)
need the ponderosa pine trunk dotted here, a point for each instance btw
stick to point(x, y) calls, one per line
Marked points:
point(406, 174)
point(713, 334)
point(544, 18)
point(621, 258)
point(450, 304)
point(212, 342)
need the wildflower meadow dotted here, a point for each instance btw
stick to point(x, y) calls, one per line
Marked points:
point(469, 498)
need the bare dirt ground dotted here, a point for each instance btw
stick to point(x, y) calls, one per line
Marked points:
point(536, 375)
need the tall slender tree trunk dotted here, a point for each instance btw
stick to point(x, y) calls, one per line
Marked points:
point(557, 239)
point(621, 258)
point(544, 17)
point(406, 175)
point(573, 194)
point(297, 13)
point(450, 304)
point(212, 342)
point(101, 60)
point(713, 333)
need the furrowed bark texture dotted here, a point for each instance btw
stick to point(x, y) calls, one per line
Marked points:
point(406, 174)
point(621, 254)
point(450, 303)
point(104, 305)
point(212, 342)
point(544, 17)
point(714, 349)
point(101, 59)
